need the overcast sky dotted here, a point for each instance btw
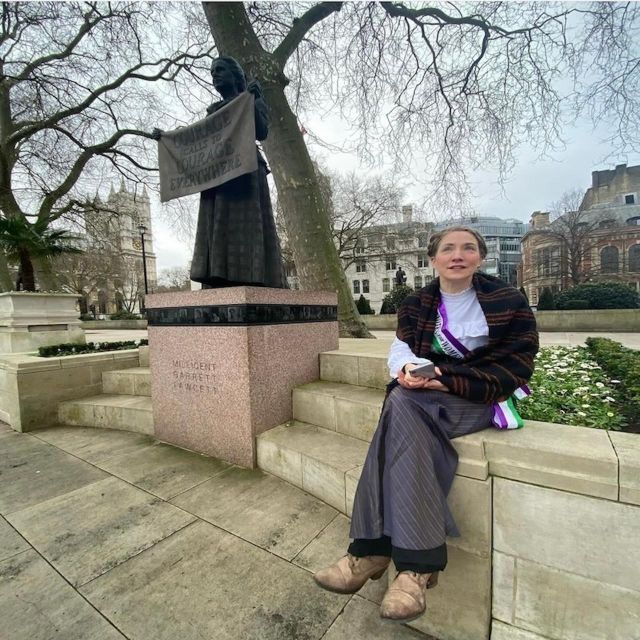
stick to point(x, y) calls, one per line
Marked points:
point(533, 185)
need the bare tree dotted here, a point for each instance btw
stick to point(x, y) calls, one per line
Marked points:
point(85, 273)
point(464, 84)
point(563, 249)
point(78, 95)
point(359, 203)
point(128, 281)
point(572, 228)
point(174, 279)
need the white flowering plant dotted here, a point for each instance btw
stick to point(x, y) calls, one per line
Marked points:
point(569, 387)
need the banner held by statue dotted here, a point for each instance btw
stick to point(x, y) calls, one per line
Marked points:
point(210, 152)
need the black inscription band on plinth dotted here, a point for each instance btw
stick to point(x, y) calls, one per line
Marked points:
point(241, 315)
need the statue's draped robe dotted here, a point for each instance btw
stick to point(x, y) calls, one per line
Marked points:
point(236, 239)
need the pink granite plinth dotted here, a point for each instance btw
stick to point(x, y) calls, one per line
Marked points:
point(214, 388)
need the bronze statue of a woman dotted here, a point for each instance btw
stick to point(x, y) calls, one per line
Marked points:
point(236, 240)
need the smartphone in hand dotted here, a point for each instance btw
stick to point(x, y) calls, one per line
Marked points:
point(427, 371)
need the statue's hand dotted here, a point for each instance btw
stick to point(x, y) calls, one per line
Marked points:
point(255, 88)
point(156, 133)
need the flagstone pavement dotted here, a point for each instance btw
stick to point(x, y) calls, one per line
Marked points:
point(108, 535)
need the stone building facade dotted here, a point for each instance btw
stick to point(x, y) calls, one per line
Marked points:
point(381, 249)
point(603, 235)
point(112, 233)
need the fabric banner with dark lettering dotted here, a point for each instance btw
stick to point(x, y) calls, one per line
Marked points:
point(210, 152)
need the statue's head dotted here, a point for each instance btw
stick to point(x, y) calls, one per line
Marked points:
point(226, 70)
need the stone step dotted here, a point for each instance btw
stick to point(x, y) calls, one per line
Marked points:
point(125, 412)
point(324, 463)
point(354, 411)
point(352, 366)
point(130, 382)
point(347, 409)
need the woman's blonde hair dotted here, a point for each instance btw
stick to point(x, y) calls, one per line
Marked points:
point(436, 239)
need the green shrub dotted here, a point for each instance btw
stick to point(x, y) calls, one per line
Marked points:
point(576, 304)
point(364, 306)
point(601, 295)
point(623, 365)
point(71, 349)
point(393, 300)
point(546, 301)
point(86, 317)
point(124, 315)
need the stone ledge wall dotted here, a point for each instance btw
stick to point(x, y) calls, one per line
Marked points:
point(120, 325)
point(31, 388)
point(620, 320)
point(565, 566)
point(549, 516)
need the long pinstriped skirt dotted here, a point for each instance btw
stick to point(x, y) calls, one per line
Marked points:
point(410, 466)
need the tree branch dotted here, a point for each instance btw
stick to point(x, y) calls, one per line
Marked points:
point(301, 26)
point(49, 201)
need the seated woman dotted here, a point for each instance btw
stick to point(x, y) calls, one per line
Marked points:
point(481, 335)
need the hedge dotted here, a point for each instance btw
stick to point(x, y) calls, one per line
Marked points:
point(623, 365)
point(71, 349)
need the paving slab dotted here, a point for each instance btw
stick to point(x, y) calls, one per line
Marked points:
point(204, 583)
point(163, 470)
point(11, 542)
point(328, 547)
point(33, 471)
point(91, 444)
point(93, 529)
point(37, 604)
point(361, 619)
point(259, 508)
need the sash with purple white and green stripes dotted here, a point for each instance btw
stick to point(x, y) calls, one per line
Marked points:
point(505, 413)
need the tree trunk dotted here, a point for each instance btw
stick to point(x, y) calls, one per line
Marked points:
point(6, 284)
point(27, 275)
point(47, 279)
point(303, 207)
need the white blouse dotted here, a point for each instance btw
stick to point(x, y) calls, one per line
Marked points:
point(466, 322)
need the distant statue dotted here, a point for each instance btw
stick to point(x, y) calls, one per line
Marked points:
point(401, 276)
point(236, 240)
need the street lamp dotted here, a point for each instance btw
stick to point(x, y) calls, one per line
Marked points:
point(142, 230)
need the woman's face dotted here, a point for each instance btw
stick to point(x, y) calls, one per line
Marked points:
point(458, 257)
point(222, 75)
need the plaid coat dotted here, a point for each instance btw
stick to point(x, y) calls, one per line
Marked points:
point(486, 374)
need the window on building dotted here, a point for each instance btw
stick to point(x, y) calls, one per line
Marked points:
point(634, 258)
point(386, 285)
point(423, 261)
point(630, 198)
point(427, 280)
point(546, 261)
point(423, 240)
point(360, 245)
point(391, 264)
point(606, 224)
point(417, 282)
point(365, 286)
point(361, 266)
point(391, 243)
point(635, 220)
point(609, 260)
point(356, 286)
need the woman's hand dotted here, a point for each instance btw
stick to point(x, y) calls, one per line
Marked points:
point(408, 381)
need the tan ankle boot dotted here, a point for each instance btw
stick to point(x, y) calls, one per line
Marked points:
point(350, 573)
point(406, 599)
